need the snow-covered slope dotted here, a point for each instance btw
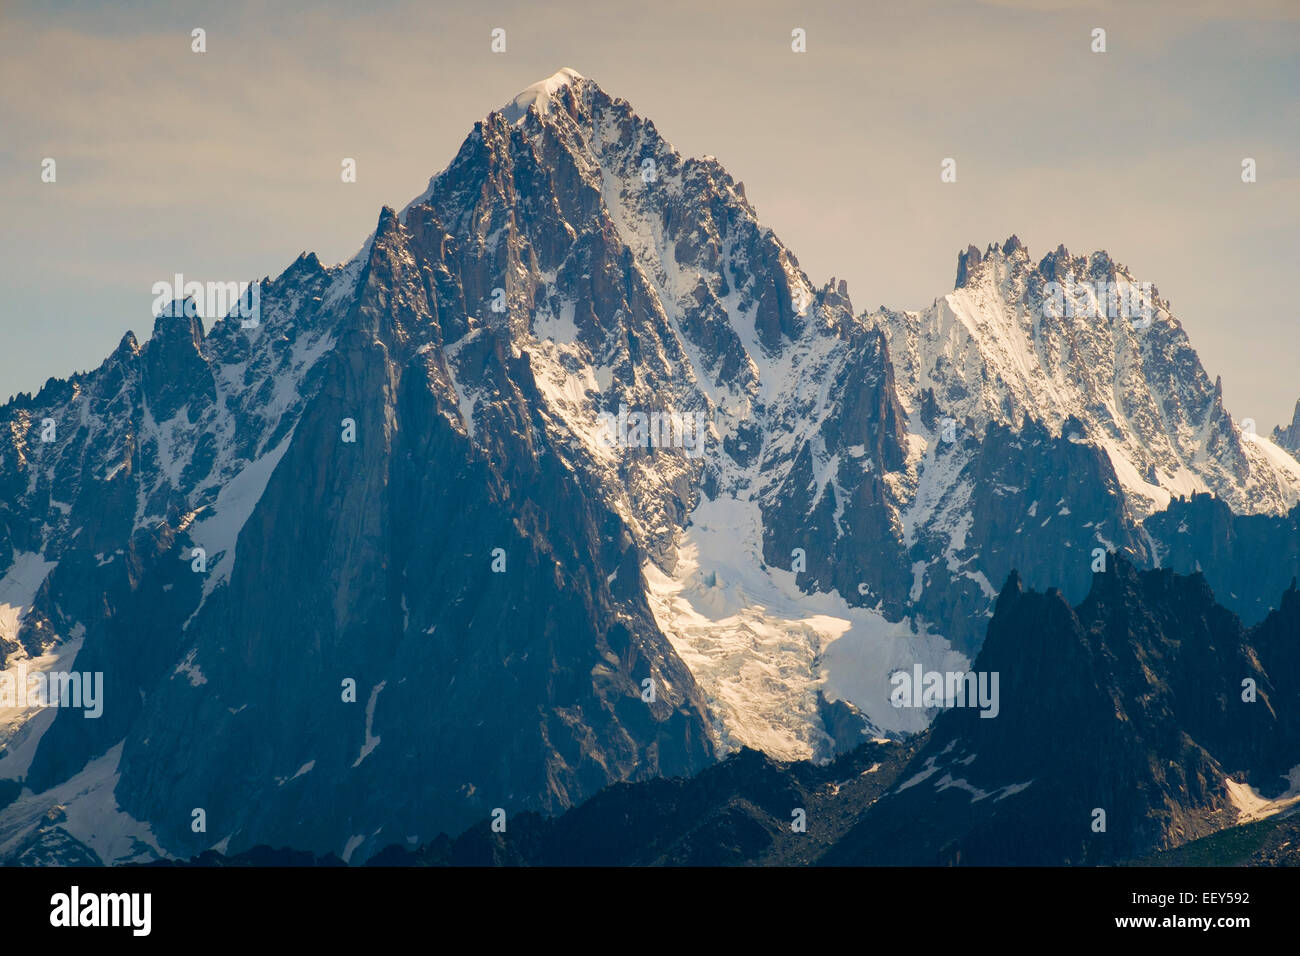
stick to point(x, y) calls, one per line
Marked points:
point(1000, 347)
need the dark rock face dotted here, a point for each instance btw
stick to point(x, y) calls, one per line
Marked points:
point(742, 811)
point(1247, 559)
point(1118, 724)
point(967, 262)
point(1289, 437)
point(138, 607)
point(485, 689)
point(174, 374)
point(1131, 703)
point(1045, 505)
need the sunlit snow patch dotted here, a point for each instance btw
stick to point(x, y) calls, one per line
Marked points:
point(1254, 806)
point(89, 813)
point(761, 649)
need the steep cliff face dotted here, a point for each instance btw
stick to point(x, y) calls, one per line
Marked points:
point(1289, 437)
point(1247, 559)
point(371, 561)
point(1148, 702)
point(1018, 499)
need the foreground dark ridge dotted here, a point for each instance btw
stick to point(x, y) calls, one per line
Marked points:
point(1094, 699)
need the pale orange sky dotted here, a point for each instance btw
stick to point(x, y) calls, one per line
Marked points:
point(225, 165)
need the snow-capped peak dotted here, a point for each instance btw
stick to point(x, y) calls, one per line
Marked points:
point(1061, 340)
point(539, 94)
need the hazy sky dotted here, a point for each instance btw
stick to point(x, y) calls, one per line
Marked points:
point(225, 165)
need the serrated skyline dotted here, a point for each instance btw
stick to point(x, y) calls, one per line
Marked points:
point(217, 174)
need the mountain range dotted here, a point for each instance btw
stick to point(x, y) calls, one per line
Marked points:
point(376, 566)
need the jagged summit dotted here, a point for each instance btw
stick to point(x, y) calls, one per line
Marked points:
point(970, 259)
point(539, 94)
point(1289, 437)
point(1055, 265)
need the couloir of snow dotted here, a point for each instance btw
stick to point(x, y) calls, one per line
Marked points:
point(217, 529)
